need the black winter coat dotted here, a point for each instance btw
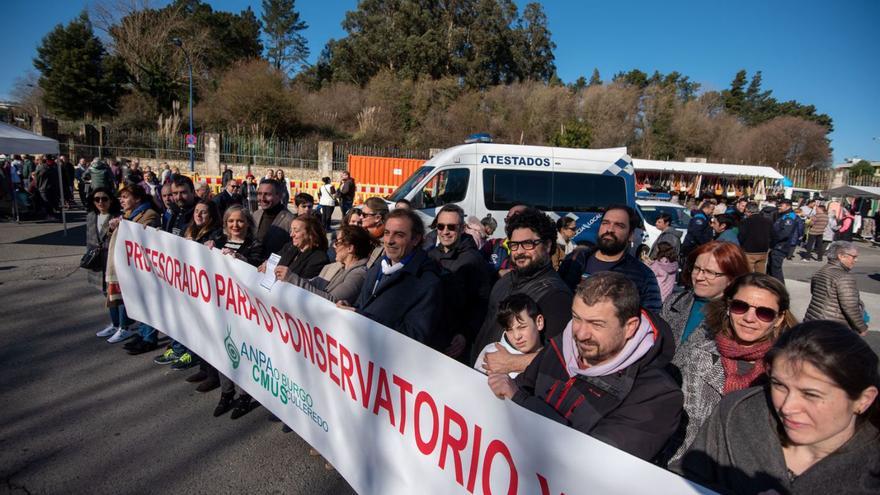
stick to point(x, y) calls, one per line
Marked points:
point(306, 264)
point(544, 287)
point(574, 267)
point(636, 409)
point(466, 287)
point(408, 301)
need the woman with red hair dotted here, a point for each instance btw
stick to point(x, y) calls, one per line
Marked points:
point(710, 268)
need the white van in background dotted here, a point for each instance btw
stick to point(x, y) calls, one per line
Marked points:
point(489, 178)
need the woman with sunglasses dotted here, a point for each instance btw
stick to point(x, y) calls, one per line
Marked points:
point(102, 207)
point(741, 327)
point(812, 427)
point(709, 269)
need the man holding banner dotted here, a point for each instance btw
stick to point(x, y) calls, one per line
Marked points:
point(605, 374)
point(402, 290)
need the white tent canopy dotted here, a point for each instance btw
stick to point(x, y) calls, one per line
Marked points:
point(15, 141)
point(715, 169)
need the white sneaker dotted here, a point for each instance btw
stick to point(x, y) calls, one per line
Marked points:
point(120, 335)
point(110, 330)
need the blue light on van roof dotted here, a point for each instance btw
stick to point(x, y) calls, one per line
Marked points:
point(478, 138)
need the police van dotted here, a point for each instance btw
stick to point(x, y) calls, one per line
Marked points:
point(489, 178)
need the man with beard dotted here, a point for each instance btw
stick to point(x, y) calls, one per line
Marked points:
point(273, 218)
point(465, 279)
point(531, 238)
point(605, 375)
point(610, 254)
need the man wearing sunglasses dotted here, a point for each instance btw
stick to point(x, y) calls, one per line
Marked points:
point(231, 195)
point(835, 292)
point(531, 237)
point(606, 374)
point(465, 279)
point(610, 254)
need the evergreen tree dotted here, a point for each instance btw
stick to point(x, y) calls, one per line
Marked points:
point(537, 49)
point(595, 79)
point(286, 47)
point(735, 97)
point(76, 76)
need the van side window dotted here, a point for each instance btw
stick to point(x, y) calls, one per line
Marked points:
point(551, 191)
point(448, 186)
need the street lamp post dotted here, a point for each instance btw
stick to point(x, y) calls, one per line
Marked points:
point(192, 157)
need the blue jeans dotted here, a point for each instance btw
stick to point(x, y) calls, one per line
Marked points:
point(118, 317)
point(148, 333)
point(346, 205)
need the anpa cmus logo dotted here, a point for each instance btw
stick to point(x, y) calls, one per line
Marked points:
point(274, 380)
point(231, 349)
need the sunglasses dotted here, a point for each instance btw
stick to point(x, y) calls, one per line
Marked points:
point(101, 199)
point(763, 313)
point(447, 226)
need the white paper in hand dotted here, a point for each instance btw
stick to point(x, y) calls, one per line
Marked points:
point(268, 278)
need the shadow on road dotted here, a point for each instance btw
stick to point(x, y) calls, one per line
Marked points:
point(76, 236)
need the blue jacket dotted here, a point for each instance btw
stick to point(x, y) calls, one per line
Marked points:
point(799, 226)
point(699, 232)
point(573, 270)
point(783, 230)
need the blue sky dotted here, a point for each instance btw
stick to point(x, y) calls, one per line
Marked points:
point(824, 53)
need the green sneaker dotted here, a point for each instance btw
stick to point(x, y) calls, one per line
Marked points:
point(167, 357)
point(186, 361)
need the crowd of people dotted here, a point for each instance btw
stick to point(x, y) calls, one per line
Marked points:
point(704, 371)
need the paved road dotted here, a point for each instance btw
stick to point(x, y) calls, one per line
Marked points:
point(78, 415)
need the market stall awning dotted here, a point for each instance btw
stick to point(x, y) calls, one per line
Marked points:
point(853, 191)
point(15, 141)
point(714, 169)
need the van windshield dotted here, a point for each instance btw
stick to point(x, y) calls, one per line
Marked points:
point(404, 189)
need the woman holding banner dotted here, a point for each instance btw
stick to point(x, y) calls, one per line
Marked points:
point(239, 241)
point(342, 280)
point(813, 428)
point(306, 255)
point(137, 206)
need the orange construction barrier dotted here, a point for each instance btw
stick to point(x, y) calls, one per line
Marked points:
point(381, 170)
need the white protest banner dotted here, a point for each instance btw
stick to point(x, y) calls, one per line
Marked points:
point(392, 415)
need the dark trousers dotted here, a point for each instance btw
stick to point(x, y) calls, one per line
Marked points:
point(774, 264)
point(346, 205)
point(326, 215)
point(815, 245)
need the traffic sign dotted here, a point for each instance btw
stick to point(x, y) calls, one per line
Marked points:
point(191, 139)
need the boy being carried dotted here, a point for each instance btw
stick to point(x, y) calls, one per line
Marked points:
point(523, 324)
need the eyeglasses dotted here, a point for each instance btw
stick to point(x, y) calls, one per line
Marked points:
point(101, 199)
point(529, 245)
point(235, 187)
point(365, 214)
point(763, 313)
point(447, 226)
point(709, 274)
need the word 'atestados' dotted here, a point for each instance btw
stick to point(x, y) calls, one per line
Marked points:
point(460, 446)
